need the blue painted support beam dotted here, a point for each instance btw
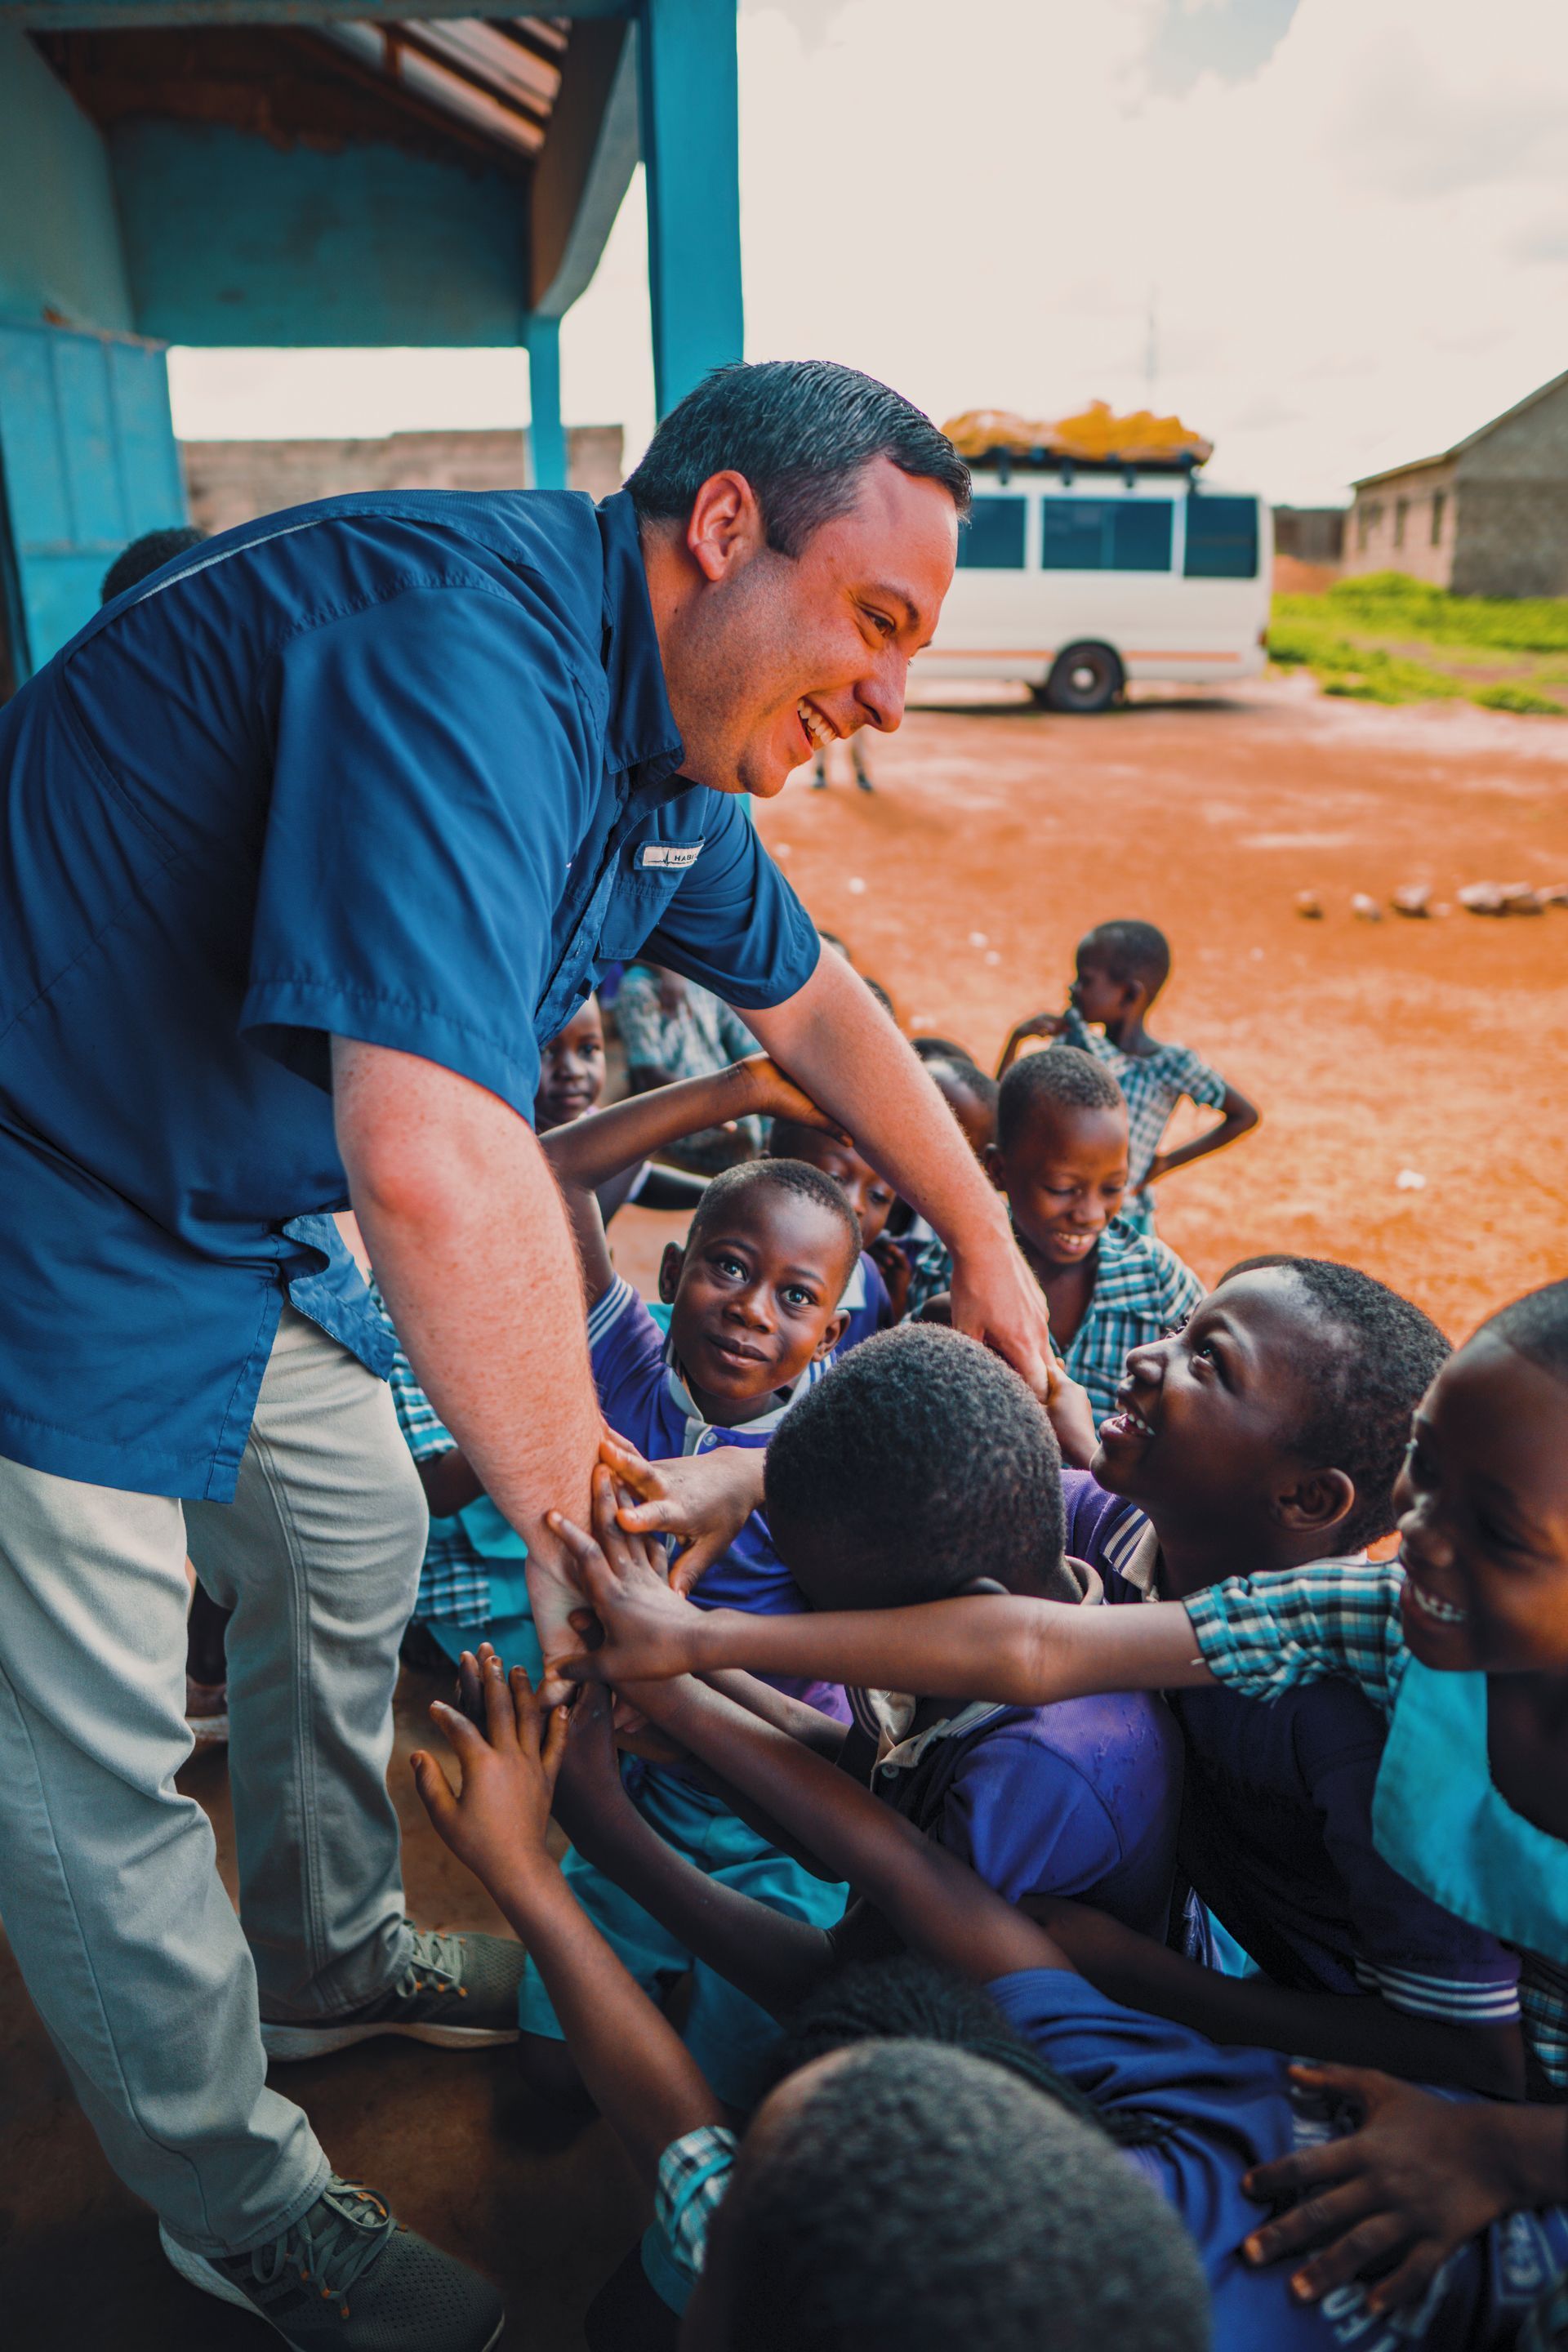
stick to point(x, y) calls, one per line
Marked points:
point(546, 433)
point(691, 149)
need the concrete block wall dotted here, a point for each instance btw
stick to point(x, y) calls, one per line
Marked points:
point(228, 482)
point(1390, 527)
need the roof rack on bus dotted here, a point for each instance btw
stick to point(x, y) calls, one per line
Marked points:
point(1004, 460)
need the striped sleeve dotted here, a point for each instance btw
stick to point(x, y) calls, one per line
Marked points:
point(694, 2175)
point(1331, 1618)
point(1489, 1999)
point(607, 1310)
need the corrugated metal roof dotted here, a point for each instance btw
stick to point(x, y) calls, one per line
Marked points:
point(498, 76)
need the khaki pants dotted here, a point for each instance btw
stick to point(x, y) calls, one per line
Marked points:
point(108, 1890)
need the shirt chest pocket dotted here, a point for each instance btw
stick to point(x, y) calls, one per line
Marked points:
point(636, 908)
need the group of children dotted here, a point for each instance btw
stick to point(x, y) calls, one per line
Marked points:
point(929, 1785)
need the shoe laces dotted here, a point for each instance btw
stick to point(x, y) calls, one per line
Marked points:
point(435, 1964)
point(331, 2245)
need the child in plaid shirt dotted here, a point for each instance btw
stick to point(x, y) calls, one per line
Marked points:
point(1121, 968)
point(1060, 1157)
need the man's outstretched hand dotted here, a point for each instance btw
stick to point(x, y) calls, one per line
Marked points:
point(649, 1631)
point(995, 1297)
point(701, 1501)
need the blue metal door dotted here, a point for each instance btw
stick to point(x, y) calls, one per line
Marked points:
point(89, 462)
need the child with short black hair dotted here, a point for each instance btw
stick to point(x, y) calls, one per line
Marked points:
point(1266, 1436)
point(916, 2172)
point(1060, 1157)
point(753, 1320)
point(1121, 968)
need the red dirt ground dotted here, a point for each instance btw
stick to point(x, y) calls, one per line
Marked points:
point(998, 835)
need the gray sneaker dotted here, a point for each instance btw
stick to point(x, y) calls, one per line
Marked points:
point(348, 2278)
point(457, 1991)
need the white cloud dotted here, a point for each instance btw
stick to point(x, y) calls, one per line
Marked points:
point(1359, 245)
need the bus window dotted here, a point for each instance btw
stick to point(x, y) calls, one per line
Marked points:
point(1140, 535)
point(992, 540)
point(1105, 535)
point(1222, 539)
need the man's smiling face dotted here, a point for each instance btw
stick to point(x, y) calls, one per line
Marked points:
point(769, 658)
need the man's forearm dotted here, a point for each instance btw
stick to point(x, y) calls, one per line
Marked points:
point(1019, 1652)
point(473, 1254)
point(836, 1042)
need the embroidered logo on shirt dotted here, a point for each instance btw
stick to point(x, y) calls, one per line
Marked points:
point(676, 853)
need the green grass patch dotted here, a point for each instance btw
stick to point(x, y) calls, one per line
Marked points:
point(1507, 697)
point(1342, 637)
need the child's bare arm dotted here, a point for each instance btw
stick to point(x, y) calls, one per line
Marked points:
point(774, 1959)
point(587, 1151)
point(1237, 1117)
point(450, 1482)
point(930, 1899)
point(632, 2060)
point(1024, 1652)
point(1039, 1024)
point(1357, 2030)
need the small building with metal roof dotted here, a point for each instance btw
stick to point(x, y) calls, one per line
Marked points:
point(1486, 517)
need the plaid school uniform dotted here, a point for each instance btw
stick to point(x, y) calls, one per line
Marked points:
point(1341, 1618)
point(454, 1579)
point(1153, 1085)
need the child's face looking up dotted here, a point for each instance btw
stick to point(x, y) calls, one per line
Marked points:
point(1201, 1430)
point(754, 1300)
point(571, 1070)
point(869, 1195)
point(1064, 1175)
point(1483, 1505)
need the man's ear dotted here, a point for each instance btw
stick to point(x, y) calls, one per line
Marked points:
point(836, 1326)
point(1320, 1501)
point(725, 527)
point(669, 1267)
point(992, 1163)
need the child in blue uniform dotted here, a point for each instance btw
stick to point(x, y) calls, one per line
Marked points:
point(1288, 1461)
point(753, 1319)
point(1121, 968)
point(865, 1301)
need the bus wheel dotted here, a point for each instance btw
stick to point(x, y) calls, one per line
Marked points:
point(1083, 677)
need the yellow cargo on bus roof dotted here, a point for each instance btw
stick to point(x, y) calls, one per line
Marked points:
point(1095, 432)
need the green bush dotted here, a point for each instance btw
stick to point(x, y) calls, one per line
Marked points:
point(1518, 697)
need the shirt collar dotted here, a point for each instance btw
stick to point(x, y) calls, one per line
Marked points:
point(893, 1711)
point(697, 1428)
point(640, 736)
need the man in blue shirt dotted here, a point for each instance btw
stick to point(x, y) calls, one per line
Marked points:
point(309, 840)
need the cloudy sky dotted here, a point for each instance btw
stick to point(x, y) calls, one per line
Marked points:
point(1347, 219)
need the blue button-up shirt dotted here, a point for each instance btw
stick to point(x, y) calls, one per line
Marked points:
point(393, 767)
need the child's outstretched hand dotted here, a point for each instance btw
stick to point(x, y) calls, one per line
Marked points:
point(497, 1820)
point(589, 1787)
point(703, 1501)
point(649, 1631)
point(775, 1095)
point(1393, 2200)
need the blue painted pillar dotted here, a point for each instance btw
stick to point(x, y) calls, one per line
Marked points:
point(691, 151)
point(547, 435)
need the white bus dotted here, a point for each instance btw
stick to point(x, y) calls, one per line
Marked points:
point(1076, 579)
